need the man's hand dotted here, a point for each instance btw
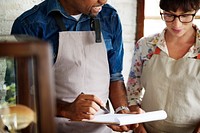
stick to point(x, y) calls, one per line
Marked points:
point(83, 107)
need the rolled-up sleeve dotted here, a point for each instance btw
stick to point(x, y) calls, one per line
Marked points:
point(115, 55)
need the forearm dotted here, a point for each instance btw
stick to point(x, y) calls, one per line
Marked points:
point(135, 91)
point(197, 129)
point(62, 108)
point(117, 94)
point(118, 98)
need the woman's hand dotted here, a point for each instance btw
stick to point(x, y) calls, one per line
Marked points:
point(137, 110)
point(135, 127)
point(125, 128)
point(140, 129)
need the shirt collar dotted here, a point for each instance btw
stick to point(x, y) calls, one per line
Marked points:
point(197, 44)
point(54, 5)
point(159, 41)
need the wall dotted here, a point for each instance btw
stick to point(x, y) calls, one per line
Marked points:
point(10, 9)
point(127, 12)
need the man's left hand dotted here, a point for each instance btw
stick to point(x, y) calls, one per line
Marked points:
point(125, 128)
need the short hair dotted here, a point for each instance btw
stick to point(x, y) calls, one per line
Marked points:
point(184, 5)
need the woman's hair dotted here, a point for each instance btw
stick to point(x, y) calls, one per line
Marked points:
point(184, 5)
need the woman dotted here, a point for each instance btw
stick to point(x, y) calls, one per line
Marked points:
point(167, 66)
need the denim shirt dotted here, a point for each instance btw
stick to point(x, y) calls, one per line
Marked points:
point(39, 22)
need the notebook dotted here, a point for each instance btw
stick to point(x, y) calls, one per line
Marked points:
point(127, 119)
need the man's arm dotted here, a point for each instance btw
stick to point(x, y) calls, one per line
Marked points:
point(117, 94)
point(118, 98)
point(62, 108)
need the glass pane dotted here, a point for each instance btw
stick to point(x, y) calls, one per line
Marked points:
point(15, 100)
point(28, 80)
point(7, 82)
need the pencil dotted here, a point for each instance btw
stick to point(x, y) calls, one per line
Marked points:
point(106, 111)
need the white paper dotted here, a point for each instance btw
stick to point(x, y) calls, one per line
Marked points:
point(126, 119)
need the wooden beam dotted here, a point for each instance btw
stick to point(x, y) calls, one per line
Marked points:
point(140, 19)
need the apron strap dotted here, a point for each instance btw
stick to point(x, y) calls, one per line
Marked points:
point(198, 56)
point(60, 23)
point(96, 26)
point(157, 50)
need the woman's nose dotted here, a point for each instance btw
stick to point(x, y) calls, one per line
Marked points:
point(177, 22)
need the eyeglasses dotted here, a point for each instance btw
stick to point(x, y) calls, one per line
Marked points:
point(185, 18)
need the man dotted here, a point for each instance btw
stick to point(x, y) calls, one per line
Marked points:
point(87, 65)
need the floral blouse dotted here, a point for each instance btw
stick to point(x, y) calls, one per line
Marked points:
point(144, 49)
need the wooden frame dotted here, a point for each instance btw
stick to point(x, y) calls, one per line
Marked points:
point(141, 17)
point(24, 49)
point(140, 20)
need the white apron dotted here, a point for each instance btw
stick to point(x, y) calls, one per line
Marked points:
point(174, 86)
point(81, 66)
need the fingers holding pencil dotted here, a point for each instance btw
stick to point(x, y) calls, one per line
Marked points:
point(85, 106)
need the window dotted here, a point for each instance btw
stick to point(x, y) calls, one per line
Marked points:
point(152, 22)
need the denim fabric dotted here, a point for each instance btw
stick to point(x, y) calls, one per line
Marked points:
point(39, 22)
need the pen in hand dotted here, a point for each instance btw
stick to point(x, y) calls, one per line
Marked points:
point(106, 111)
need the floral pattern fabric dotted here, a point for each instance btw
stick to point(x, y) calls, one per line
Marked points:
point(144, 49)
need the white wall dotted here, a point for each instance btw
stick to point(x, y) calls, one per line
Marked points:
point(10, 9)
point(127, 12)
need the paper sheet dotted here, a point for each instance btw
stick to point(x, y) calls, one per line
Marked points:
point(126, 119)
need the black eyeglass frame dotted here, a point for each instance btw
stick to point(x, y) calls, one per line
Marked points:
point(177, 16)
